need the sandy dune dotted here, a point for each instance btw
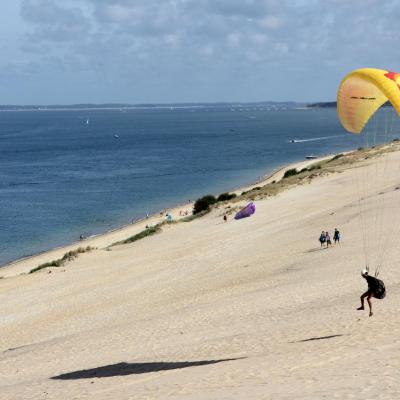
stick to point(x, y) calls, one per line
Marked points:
point(250, 309)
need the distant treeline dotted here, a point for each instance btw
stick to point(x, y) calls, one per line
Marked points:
point(121, 106)
point(331, 104)
point(326, 104)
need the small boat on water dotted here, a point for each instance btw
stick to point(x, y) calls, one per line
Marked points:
point(116, 136)
point(311, 157)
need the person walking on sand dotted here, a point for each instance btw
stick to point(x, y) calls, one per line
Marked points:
point(225, 218)
point(322, 238)
point(328, 239)
point(336, 236)
point(376, 288)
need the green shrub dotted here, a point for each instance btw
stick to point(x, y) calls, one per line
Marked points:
point(204, 203)
point(192, 217)
point(226, 196)
point(68, 256)
point(336, 157)
point(290, 172)
point(147, 232)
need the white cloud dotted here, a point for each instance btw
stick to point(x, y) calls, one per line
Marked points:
point(121, 13)
point(234, 39)
point(207, 50)
point(172, 40)
point(208, 40)
point(259, 38)
point(271, 22)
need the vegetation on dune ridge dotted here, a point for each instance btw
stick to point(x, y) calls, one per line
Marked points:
point(226, 196)
point(336, 164)
point(194, 216)
point(151, 230)
point(206, 202)
point(69, 256)
point(146, 232)
point(201, 207)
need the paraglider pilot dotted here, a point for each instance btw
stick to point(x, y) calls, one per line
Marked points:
point(376, 288)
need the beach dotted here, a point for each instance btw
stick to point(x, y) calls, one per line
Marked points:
point(248, 309)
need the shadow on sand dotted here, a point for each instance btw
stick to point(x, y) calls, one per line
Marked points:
point(121, 369)
point(313, 250)
point(317, 338)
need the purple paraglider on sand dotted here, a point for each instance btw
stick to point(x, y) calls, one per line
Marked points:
point(247, 211)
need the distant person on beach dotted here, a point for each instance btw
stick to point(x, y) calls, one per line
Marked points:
point(376, 288)
point(81, 237)
point(225, 218)
point(328, 239)
point(322, 238)
point(336, 236)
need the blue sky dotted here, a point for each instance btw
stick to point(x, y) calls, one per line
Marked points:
point(140, 51)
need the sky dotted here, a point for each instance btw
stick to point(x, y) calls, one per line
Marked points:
point(160, 51)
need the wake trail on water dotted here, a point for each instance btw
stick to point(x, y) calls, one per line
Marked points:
point(313, 139)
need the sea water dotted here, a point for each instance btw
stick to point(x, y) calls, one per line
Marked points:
point(66, 173)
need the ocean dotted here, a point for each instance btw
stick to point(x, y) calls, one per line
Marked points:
point(69, 172)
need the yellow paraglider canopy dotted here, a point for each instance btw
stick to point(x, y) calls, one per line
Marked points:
point(362, 92)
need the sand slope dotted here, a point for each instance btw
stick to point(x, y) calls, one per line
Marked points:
point(249, 309)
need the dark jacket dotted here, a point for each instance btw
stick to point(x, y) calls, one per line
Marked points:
point(376, 286)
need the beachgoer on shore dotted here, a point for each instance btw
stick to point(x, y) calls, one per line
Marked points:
point(225, 218)
point(322, 238)
point(328, 239)
point(376, 288)
point(336, 236)
point(81, 237)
